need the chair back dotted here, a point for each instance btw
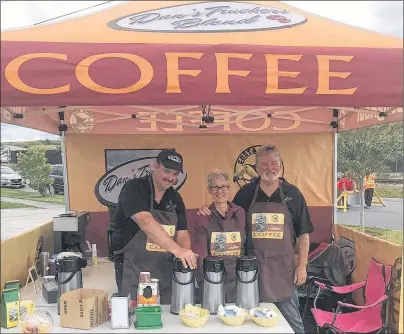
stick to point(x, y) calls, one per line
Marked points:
point(377, 282)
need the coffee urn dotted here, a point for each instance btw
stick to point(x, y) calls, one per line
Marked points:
point(183, 287)
point(213, 283)
point(68, 273)
point(247, 270)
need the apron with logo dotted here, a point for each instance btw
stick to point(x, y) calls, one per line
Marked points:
point(141, 254)
point(271, 240)
point(226, 238)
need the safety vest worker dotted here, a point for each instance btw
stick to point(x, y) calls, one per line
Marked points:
point(370, 181)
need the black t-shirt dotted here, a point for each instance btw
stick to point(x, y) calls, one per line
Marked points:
point(135, 197)
point(294, 201)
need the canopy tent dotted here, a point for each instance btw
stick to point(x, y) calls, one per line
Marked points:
point(201, 70)
point(196, 73)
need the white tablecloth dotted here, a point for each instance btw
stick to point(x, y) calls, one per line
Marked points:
point(171, 324)
point(102, 277)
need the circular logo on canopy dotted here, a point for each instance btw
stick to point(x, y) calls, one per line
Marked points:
point(245, 168)
point(82, 121)
point(210, 17)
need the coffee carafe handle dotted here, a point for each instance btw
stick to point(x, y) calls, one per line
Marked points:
point(67, 280)
point(211, 282)
point(186, 283)
point(252, 280)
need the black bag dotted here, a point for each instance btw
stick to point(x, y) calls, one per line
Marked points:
point(327, 265)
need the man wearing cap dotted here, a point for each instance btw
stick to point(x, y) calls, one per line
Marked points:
point(151, 217)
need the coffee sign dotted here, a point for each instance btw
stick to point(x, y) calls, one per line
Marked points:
point(109, 186)
point(209, 17)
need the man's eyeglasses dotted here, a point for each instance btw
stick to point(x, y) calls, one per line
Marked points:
point(222, 188)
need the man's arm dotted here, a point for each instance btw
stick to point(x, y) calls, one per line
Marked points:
point(303, 245)
point(159, 236)
point(303, 228)
point(182, 236)
point(154, 231)
point(183, 239)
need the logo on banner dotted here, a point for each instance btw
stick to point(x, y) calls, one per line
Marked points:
point(245, 168)
point(210, 17)
point(82, 121)
point(109, 186)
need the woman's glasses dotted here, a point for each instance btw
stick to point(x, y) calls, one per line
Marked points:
point(216, 188)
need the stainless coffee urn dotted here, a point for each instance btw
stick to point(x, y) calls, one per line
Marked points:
point(68, 273)
point(247, 270)
point(213, 283)
point(183, 287)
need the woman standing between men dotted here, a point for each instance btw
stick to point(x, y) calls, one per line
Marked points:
point(222, 233)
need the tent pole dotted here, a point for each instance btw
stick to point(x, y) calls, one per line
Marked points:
point(65, 178)
point(335, 178)
point(62, 129)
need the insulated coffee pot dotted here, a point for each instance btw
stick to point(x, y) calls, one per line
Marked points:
point(68, 273)
point(183, 287)
point(213, 283)
point(247, 270)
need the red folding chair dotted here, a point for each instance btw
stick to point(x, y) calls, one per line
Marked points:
point(364, 319)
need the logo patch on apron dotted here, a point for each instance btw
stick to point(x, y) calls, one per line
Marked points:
point(225, 243)
point(151, 247)
point(268, 225)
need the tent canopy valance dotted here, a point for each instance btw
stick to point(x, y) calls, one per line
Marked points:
point(166, 63)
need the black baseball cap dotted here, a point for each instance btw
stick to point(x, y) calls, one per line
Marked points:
point(171, 159)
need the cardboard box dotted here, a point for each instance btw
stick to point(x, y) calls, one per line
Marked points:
point(83, 308)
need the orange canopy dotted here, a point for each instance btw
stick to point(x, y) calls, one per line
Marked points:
point(186, 54)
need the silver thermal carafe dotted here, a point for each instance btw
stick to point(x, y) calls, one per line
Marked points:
point(183, 287)
point(247, 270)
point(213, 283)
point(44, 258)
point(68, 273)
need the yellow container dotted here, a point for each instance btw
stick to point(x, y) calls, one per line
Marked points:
point(267, 322)
point(195, 322)
point(27, 306)
point(233, 320)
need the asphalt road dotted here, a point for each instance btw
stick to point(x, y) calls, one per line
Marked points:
point(390, 217)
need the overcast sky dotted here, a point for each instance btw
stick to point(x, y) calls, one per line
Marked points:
point(381, 16)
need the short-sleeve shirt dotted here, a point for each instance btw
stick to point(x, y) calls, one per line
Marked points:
point(294, 201)
point(135, 197)
point(348, 184)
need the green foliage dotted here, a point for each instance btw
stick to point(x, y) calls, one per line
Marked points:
point(34, 168)
point(369, 150)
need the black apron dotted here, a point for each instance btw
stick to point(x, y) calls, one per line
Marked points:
point(141, 254)
point(226, 238)
point(270, 237)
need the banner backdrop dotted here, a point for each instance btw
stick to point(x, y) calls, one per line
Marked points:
point(307, 158)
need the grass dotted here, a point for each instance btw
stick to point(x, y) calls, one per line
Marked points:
point(389, 190)
point(382, 233)
point(33, 196)
point(9, 205)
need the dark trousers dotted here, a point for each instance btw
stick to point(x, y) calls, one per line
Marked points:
point(118, 261)
point(369, 196)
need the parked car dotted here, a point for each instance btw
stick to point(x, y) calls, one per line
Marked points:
point(57, 175)
point(10, 178)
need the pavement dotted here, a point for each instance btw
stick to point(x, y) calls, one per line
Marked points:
point(18, 221)
point(390, 217)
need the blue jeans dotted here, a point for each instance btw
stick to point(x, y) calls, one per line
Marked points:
point(290, 310)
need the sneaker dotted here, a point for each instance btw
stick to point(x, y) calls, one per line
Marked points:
point(367, 207)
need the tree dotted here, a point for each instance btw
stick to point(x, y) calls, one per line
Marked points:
point(34, 167)
point(369, 150)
